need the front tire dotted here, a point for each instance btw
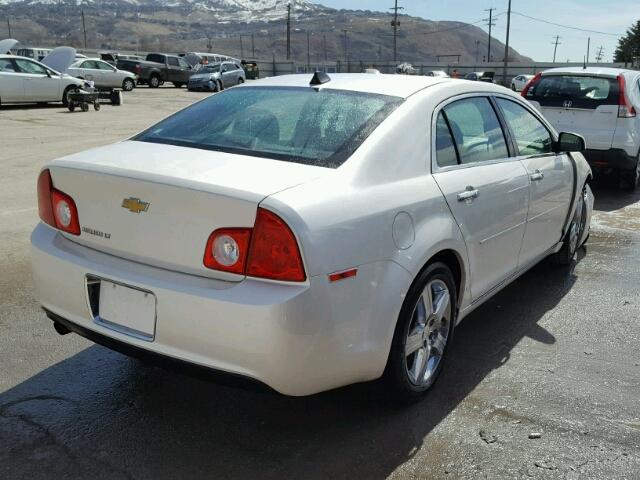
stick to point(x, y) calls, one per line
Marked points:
point(423, 334)
point(575, 231)
point(154, 81)
point(128, 84)
point(65, 95)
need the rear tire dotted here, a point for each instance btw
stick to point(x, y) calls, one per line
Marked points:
point(423, 334)
point(177, 84)
point(629, 180)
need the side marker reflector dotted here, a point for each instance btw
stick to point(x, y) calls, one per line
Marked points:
point(334, 277)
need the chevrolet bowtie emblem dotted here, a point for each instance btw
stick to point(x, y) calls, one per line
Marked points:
point(135, 205)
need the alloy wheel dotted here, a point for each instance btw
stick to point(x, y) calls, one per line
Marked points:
point(428, 334)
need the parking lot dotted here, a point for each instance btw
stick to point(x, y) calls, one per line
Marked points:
point(555, 354)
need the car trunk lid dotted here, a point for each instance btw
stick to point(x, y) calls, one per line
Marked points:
point(158, 204)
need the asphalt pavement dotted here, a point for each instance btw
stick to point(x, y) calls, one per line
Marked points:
point(555, 356)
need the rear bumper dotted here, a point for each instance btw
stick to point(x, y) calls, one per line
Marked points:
point(297, 339)
point(615, 158)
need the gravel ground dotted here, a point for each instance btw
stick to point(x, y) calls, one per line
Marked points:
point(554, 356)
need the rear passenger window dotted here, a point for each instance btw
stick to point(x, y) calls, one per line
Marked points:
point(531, 136)
point(446, 155)
point(476, 130)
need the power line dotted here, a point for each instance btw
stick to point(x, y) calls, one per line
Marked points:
point(555, 44)
point(491, 24)
point(566, 26)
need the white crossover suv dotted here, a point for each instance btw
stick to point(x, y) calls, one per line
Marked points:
point(306, 232)
point(602, 105)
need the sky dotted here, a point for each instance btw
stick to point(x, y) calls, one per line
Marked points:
point(531, 38)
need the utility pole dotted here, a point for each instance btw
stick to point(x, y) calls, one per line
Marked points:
point(395, 24)
point(9, 26)
point(308, 51)
point(288, 31)
point(555, 48)
point(324, 45)
point(506, 46)
point(599, 55)
point(588, 48)
point(209, 44)
point(84, 28)
point(346, 48)
point(491, 24)
point(477, 50)
point(241, 49)
point(253, 47)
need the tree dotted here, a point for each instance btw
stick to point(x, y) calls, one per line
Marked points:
point(629, 45)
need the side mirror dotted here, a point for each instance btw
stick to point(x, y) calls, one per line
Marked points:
point(570, 142)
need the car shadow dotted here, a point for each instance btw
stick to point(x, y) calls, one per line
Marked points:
point(609, 196)
point(29, 106)
point(101, 414)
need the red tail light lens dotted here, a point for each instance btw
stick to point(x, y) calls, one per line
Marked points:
point(269, 250)
point(625, 109)
point(274, 251)
point(227, 250)
point(531, 83)
point(56, 208)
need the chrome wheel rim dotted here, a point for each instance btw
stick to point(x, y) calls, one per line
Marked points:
point(576, 225)
point(428, 333)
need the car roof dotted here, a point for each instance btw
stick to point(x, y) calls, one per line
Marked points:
point(603, 71)
point(394, 85)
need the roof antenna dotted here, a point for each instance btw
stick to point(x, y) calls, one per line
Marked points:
point(320, 78)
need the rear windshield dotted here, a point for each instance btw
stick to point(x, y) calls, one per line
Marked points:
point(302, 125)
point(581, 91)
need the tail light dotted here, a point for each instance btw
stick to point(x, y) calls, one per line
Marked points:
point(625, 109)
point(138, 68)
point(56, 208)
point(268, 250)
point(531, 83)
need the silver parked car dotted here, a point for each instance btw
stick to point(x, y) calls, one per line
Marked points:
point(217, 76)
point(103, 74)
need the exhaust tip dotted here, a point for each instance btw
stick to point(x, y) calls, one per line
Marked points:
point(61, 329)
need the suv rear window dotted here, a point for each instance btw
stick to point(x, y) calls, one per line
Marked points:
point(582, 91)
point(293, 124)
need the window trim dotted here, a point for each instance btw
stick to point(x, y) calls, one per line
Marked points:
point(435, 168)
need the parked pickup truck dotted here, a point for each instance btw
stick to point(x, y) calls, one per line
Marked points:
point(157, 69)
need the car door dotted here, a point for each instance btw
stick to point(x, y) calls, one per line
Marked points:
point(11, 82)
point(228, 75)
point(185, 70)
point(40, 85)
point(91, 71)
point(109, 77)
point(173, 66)
point(486, 189)
point(551, 177)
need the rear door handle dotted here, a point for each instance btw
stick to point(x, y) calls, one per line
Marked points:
point(468, 195)
point(537, 176)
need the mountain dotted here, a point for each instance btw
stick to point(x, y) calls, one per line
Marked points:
point(245, 28)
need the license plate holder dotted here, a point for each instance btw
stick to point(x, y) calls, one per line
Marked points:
point(127, 309)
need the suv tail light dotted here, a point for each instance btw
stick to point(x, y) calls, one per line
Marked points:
point(625, 109)
point(531, 83)
point(56, 208)
point(268, 250)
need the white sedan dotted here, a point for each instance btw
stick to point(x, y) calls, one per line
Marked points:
point(103, 74)
point(309, 233)
point(518, 83)
point(23, 80)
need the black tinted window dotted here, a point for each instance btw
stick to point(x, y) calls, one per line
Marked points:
point(476, 130)
point(576, 91)
point(154, 57)
point(294, 124)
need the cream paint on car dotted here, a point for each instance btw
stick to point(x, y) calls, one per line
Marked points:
point(386, 211)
